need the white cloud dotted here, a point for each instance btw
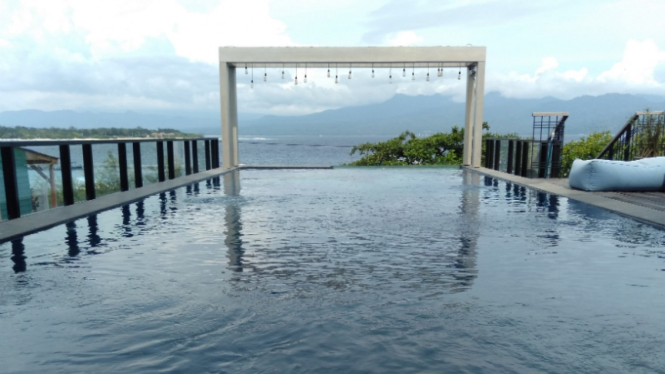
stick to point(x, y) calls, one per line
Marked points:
point(640, 59)
point(548, 63)
point(634, 74)
point(114, 28)
point(404, 38)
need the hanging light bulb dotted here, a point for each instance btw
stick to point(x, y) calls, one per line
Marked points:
point(251, 84)
point(372, 70)
point(265, 74)
point(349, 71)
point(390, 76)
point(328, 70)
point(282, 71)
point(427, 78)
point(413, 72)
point(296, 81)
point(459, 75)
point(404, 71)
point(336, 76)
point(441, 71)
point(245, 69)
point(305, 80)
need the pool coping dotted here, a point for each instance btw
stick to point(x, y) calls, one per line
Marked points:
point(597, 199)
point(38, 221)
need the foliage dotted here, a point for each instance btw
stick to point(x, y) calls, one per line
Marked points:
point(21, 132)
point(408, 149)
point(648, 142)
point(585, 149)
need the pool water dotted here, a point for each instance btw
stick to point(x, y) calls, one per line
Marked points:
point(366, 270)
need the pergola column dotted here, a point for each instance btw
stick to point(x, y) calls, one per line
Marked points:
point(229, 106)
point(479, 103)
point(468, 119)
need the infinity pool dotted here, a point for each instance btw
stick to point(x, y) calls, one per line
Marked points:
point(346, 270)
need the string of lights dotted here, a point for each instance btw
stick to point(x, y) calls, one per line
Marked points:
point(439, 72)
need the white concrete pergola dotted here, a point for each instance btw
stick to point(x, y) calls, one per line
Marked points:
point(471, 58)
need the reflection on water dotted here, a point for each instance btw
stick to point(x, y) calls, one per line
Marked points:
point(233, 222)
point(93, 233)
point(468, 227)
point(18, 256)
point(71, 239)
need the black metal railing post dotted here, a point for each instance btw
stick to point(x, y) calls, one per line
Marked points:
point(138, 171)
point(525, 159)
point(171, 158)
point(497, 154)
point(556, 160)
point(542, 162)
point(160, 161)
point(195, 156)
point(627, 146)
point(122, 165)
point(509, 165)
point(66, 172)
point(188, 158)
point(11, 182)
point(88, 172)
point(207, 150)
point(489, 153)
point(214, 150)
point(518, 158)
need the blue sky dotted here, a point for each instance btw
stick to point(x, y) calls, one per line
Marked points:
point(161, 55)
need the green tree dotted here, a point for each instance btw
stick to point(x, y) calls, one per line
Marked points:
point(408, 149)
point(584, 149)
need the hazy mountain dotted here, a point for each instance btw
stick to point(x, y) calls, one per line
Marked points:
point(420, 114)
point(426, 114)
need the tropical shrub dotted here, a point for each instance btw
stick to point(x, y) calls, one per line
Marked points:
point(584, 149)
point(408, 149)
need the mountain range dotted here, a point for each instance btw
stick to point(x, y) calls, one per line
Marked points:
point(420, 114)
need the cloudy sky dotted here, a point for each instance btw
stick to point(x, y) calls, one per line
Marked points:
point(160, 55)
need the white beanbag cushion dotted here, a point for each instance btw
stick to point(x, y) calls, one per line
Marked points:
point(647, 174)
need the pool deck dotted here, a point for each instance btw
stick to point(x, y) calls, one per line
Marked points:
point(647, 207)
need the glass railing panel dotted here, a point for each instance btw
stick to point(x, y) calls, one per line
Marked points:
point(106, 168)
point(40, 167)
point(503, 156)
point(201, 155)
point(179, 157)
point(78, 176)
point(130, 164)
point(149, 162)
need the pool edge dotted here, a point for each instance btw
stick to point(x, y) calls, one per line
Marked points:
point(637, 212)
point(39, 221)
